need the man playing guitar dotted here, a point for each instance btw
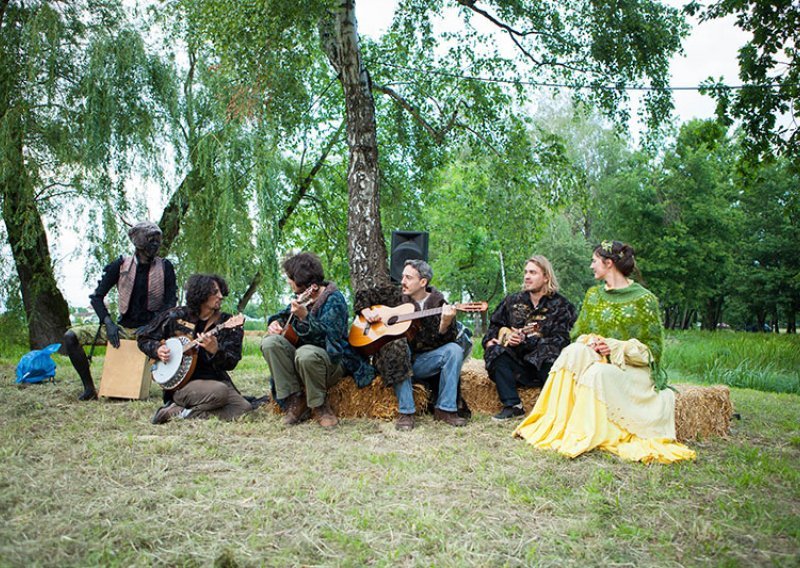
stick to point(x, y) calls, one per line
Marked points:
point(209, 390)
point(433, 348)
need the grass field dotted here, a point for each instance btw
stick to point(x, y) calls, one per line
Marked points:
point(87, 484)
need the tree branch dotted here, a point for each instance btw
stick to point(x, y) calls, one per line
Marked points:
point(437, 134)
point(479, 137)
point(304, 185)
point(512, 32)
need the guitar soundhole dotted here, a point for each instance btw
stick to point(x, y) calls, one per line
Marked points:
point(392, 320)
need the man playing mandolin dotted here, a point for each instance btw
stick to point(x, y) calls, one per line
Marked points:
point(433, 347)
point(306, 344)
point(209, 390)
point(526, 333)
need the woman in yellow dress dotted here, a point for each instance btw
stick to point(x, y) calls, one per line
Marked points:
point(606, 389)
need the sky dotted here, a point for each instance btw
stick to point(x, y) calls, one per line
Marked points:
point(709, 50)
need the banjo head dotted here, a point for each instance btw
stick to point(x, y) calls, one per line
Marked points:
point(164, 373)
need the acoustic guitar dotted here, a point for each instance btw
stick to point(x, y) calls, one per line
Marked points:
point(368, 338)
point(178, 369)
point(307, 298)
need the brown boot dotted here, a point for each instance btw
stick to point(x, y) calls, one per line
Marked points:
point(296, 409)
point(324, 415)
point(405, 423)
point(451, 418)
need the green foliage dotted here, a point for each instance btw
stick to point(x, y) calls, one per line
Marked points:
point(766, 256)
point(768, 67)
point(680, 217)
point(765, 362)
point(570, 254)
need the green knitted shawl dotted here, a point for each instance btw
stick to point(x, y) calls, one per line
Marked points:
point(625, 313)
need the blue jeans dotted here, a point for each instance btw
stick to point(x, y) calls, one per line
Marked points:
point(446, 361)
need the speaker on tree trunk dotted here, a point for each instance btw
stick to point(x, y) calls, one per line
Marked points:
point(407, 245)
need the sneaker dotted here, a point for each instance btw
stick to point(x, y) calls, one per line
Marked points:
point(405, 422)
point(451, 418)
point(508, 413)
point(166, 413)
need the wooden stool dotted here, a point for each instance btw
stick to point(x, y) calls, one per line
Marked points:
point(126, 372)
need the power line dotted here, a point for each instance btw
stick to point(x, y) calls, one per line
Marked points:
point(579, 87)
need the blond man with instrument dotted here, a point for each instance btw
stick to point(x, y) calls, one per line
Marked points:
point(526, 333)
point(200, 386)
point(306, 344)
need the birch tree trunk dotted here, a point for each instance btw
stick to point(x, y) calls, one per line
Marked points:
point(366, 247)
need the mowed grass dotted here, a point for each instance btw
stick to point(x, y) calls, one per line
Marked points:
point(95, 483)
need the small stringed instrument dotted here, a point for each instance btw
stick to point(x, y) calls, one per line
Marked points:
point(506, 333)
point(307, 298)
point(178, 369)
point(368, 337)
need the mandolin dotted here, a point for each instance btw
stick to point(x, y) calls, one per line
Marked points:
point(307, 298)
point(506, 333)
point(368, 338)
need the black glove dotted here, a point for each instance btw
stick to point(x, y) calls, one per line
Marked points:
point(112, 332)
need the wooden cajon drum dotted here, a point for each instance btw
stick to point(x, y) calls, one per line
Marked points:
point(126, 372)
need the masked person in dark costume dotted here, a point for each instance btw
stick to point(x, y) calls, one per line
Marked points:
point(145, 286)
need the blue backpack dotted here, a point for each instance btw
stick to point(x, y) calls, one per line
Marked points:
point(37, 366)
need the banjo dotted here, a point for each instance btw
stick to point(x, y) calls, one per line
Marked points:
point(178, 369)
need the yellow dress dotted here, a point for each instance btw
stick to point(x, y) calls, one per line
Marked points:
point(588, 402)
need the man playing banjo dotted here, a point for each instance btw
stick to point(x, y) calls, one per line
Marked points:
point(209, 390)
point(145, 285)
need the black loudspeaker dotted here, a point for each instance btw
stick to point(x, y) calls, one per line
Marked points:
point(407, 245)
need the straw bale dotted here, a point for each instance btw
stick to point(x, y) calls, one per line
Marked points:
point(480, 393)
point(701, 412)
point(373, 401)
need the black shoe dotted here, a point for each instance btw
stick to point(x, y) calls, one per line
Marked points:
point(508, 413)
point(88, 394)
point(166, 413)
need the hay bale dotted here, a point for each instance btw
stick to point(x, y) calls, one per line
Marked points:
point(373, 401)
point(480, 393)
point(701, 412)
